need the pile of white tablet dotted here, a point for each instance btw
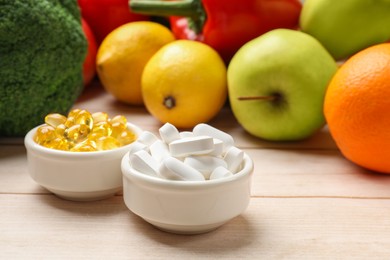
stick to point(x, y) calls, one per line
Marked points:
point(205, 153)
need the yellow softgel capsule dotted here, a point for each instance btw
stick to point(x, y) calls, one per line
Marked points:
point(103, 128)
point(58, 143)
point(107, 143)
point(83, 148)
point(83, 117)
point(117, 128)
point(99, 117)
point(93, 137)
point(74, 112)
point(60, 130)
point(77, 133)
point(87, 146)
point(69, 121)
point(84, 132)
point(44, 134)
point(55, 119)
point(126, 137)
point(119, 119)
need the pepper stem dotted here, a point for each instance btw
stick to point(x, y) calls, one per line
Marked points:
point(192, 9)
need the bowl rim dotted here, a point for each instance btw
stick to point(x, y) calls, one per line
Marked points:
point(130, 173)
point(31, 145)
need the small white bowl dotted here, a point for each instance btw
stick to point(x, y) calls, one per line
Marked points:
point(78, 176)
point(186, 207)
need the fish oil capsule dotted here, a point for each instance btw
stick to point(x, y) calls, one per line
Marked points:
point(91, 143)
point(107, 143)
point(84, 147)
point(58, 143)
point(117, 128)
point(74, 112)
point(103, 128)
point(93, 137)
point(77, 133)
point(119, 119)
point(63, 144)
point(44, 134)
point(55, 119)
point(126, 137)
point(84, 131)
point(99, 117)
point(69, 121)
point(84, 117)
point(60, 130)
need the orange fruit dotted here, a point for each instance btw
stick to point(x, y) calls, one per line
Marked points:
point(357, 108)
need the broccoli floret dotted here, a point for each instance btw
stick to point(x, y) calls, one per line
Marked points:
point(42, 49)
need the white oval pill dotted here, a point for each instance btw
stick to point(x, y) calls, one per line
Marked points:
point(137, 146)
point(205, 163)
point(218, 147)
point(234, 158)
point(220, 172)
point(147, 138)
point(205, 129)
point(143, 162)
point(169, 133)
point(185, 134)
point(191, 146)
point(174, 169)
point(159, 150)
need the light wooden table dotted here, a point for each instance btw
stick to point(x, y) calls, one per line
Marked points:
point(308, 202)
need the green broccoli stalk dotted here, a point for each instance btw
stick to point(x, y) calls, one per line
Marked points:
point(42, 49)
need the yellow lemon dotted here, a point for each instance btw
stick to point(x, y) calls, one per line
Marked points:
point(123, 54)
point(184, 83)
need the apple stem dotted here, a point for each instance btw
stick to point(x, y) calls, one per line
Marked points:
point(258, 98)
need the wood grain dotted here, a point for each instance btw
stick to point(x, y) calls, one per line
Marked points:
point(46, 227)
point(308, 202)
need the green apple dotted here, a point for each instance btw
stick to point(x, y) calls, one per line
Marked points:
point(345, 27)
point(277, 84)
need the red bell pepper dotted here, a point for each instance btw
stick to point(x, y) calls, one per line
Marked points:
point(103, 16)
point(89, 65)
point(225, 25)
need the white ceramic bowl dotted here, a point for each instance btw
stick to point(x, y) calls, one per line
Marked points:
point(186, 207)
point(79, 176)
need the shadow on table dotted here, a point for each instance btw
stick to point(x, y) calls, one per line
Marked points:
point(230, 237)
point(105, 207)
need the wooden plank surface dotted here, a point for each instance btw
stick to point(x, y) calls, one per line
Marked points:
point(308, 202)
point(278, 173)
point(45, 227)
